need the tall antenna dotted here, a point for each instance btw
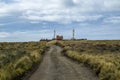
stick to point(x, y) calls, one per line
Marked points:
point(73, 34)
point(54, 34)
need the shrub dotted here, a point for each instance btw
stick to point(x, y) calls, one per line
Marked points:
point(22, 65)
point(35, 56)
point(16, 58)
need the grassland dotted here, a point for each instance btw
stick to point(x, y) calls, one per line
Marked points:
point(18, 57)
point(101, 56)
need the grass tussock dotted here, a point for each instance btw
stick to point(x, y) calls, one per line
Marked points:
point(104, 69)
point(17, 58)
point(101, 56)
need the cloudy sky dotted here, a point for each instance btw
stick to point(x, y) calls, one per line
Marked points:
point(31, 20)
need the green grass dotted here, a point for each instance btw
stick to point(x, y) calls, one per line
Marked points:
point(18, 58)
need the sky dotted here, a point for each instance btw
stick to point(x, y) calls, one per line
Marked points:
point(32, 20)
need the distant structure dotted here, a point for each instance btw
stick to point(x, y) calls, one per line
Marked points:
point(58, 37)
point(54, 34)
point(73, 38)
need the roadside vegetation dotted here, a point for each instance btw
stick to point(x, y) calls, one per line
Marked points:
point(17, 58)
point(101, 56)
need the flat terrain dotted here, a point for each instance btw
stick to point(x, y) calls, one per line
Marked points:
point(55, 66)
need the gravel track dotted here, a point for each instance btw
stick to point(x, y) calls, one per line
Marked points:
point(55, 66)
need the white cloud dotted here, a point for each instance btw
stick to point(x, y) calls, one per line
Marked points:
point(9, 9)
point(4, 34)
point(60, 16)
point(112, 5)
point(61, 11)
point(25, 35)
point(8, 23)
point(113, 20)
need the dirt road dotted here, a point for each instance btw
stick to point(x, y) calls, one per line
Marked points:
point(57, 67)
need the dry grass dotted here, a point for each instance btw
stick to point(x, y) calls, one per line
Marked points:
point(17, 58)
point(102, 56)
